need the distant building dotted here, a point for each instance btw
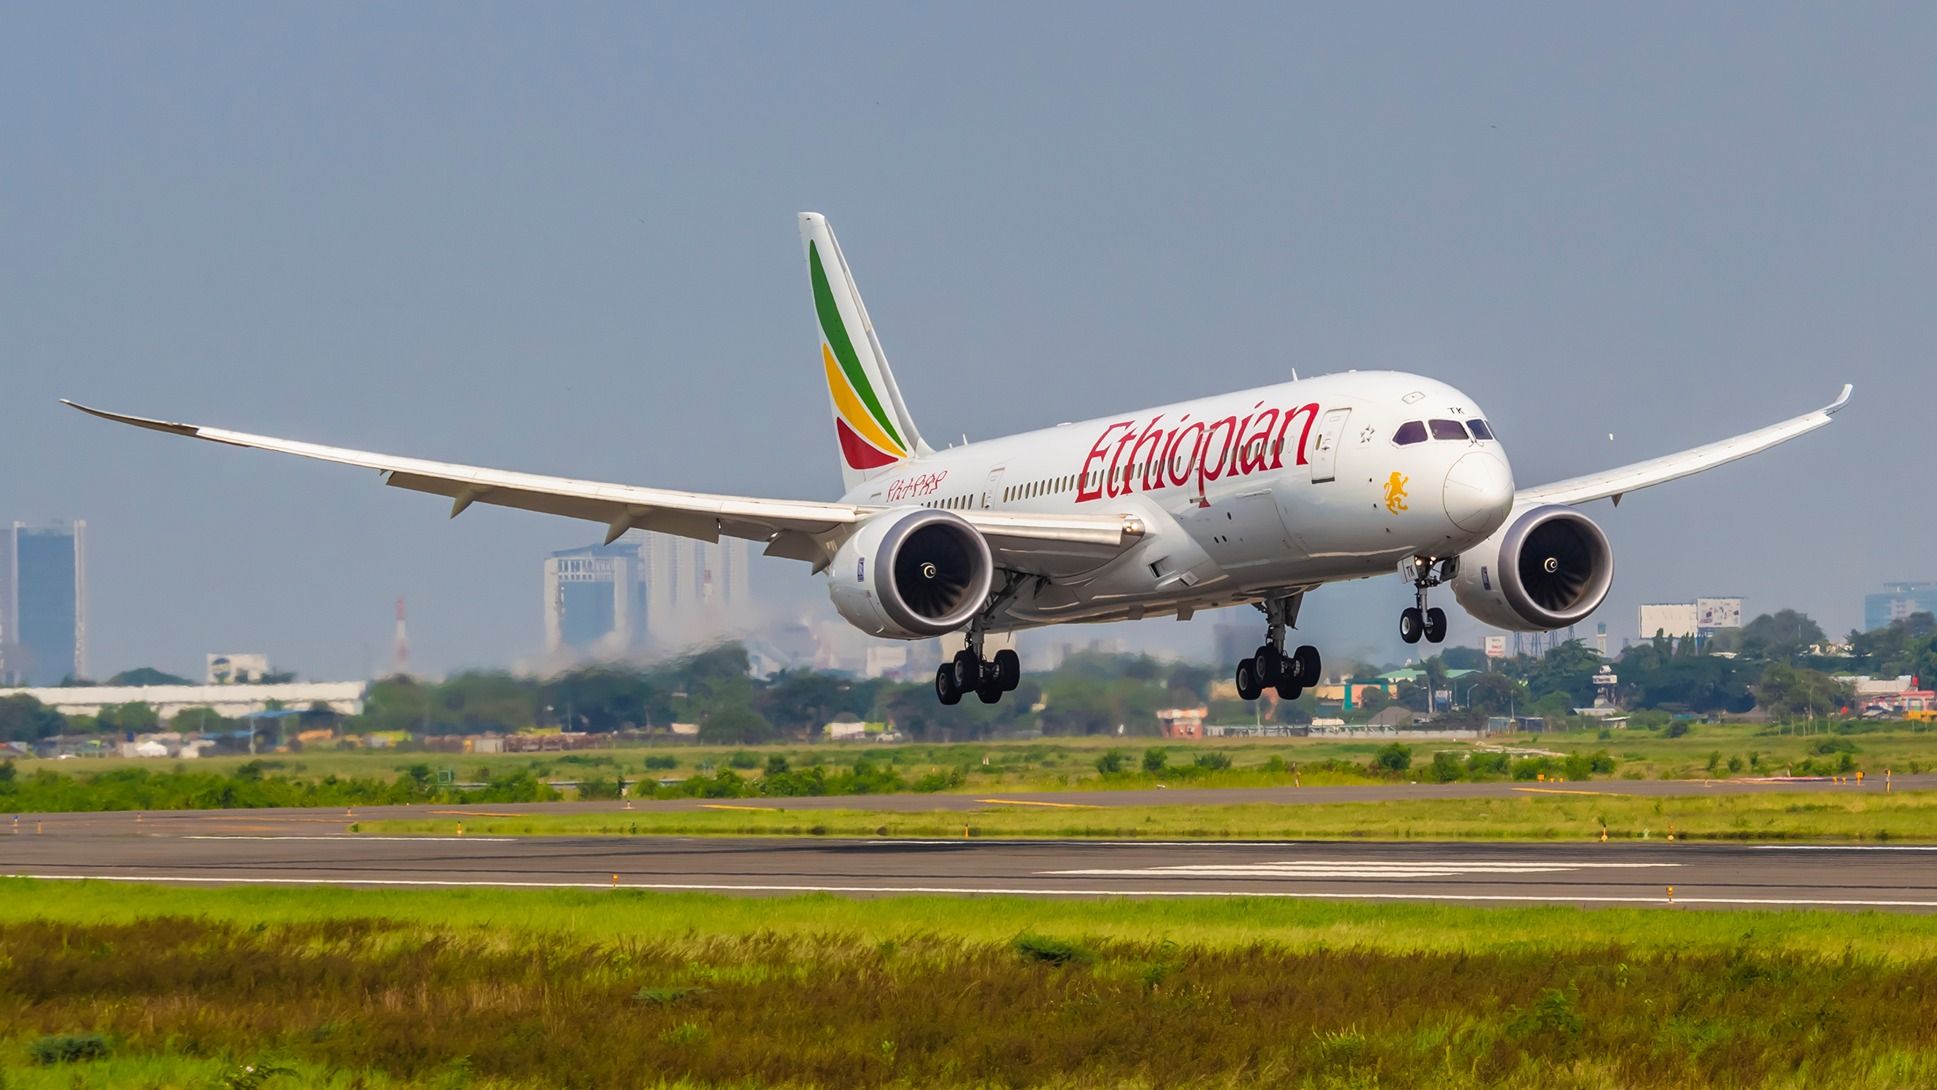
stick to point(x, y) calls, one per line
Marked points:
point(1182, 722)
point(595, 601)
point(695, 591)
point(342, 697)
point(1897, 601)
point(43, 603)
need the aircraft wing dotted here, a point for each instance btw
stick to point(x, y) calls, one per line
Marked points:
point(795, 529)
point(1619, 482)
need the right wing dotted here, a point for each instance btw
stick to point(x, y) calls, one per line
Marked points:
point(795, 529)
point(1619, 482)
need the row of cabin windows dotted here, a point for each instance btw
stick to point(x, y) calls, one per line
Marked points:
point(953, 503)
point(1415, 431)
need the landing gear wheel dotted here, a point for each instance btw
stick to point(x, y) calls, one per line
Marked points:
point(1412, 624)
point(946, 690)
point(1435, 625)
point(1269, 665)
point(1290, 690)
point(968, 670)
point(1306, 658)
point(988, 692)
point(1008, 670)
point(1248, 687)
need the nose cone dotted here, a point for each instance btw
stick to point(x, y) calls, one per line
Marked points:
point(1479, 492)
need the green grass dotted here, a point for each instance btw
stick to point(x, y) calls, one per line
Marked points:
point(544, 988)
point(1539, 813)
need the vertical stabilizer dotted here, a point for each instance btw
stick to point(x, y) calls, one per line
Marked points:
point(870, 419)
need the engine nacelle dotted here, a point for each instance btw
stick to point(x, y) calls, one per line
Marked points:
point(911, 573)
point(1544, 568)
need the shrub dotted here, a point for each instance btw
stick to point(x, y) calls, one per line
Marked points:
point(1393, 758)
point(67, 1048)
point(661, 764)
point(1213, 762)
point(1051, 951)
point(742, 759)
point(1676, 729)
point(1154, 760)
point(1446, 768)
point(1112, 762)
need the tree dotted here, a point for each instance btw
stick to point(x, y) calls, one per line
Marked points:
point(735, 723)
point(1497, 694)
point(1784, 634)
point(147, 675)
point(1788, 692)
point(1155, 760)
point(1393, 758)
point(131, 718)
point(24, 719)
point(1568, 669)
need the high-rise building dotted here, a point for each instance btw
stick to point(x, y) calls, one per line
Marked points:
point(594, 600)
point(1897, 601)
point(43, 603)
point(646, 591)
point(695, 590)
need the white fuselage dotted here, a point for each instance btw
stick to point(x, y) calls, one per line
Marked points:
point(1268, 490)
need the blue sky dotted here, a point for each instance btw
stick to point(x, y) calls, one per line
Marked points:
point(563, 240)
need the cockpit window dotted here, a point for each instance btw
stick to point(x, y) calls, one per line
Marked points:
point(1410, 432)
point(1448, 429)
point(1479, 429)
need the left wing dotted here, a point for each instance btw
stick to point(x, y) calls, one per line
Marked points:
point(1619, 482)
point(795, 529)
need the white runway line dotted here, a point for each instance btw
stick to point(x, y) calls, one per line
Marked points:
point(717, 887)
point(1310, 869)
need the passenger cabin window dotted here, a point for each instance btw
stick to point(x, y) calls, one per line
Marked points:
point(1448, 429)
point(1410, 432)
point(1479, 429)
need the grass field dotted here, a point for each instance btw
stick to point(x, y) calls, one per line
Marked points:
point(1540, 813)
point(524, 988)
point(1061, 763)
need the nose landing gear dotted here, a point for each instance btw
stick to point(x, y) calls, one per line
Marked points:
point(1271, 667)
point(1417, 620)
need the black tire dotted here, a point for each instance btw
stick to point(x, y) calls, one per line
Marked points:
point(989, 692)
point(968, 671)
point(1411, 625)
point(1269, 666)
point(946, 690)
point(1008, 669)
point(1248, 687)
point(1308, 665)
point(1290, 690)
point(1435, 625)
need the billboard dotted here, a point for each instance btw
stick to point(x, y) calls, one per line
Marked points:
point(1496, 647)
point(1714, 613)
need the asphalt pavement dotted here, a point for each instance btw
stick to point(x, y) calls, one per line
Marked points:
point(314, 847)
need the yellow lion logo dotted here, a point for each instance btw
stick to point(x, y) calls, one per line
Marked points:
point(1395, 493)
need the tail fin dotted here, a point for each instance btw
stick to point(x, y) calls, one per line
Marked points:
point(870, 419)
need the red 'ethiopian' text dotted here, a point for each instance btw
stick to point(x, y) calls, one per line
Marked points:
point(1128, 458)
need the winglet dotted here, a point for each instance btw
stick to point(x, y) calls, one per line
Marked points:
point(1842, 399)
point(189, 430)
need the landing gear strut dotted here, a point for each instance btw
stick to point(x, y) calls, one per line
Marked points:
point(968, 672)
point(1271, 667)
point(1425, 573)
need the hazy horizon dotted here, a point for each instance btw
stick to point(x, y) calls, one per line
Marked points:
point(565, 242)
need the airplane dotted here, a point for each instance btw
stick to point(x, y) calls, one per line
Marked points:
point(1252, 498)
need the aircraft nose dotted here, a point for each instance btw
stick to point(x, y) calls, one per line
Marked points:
point(1479, 491)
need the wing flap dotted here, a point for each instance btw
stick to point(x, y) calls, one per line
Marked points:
point(1620, 481)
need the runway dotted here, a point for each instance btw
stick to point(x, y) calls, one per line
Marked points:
point(219, 849)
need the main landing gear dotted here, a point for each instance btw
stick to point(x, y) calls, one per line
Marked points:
point(969, 671)
point(1271, 667)
point(1416, 620)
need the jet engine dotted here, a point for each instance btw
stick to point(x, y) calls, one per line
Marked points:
point(911, 573)
point(1546, 567)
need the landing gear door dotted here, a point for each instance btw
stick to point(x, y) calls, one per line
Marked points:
point(992, 491)
point(1323, 454)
